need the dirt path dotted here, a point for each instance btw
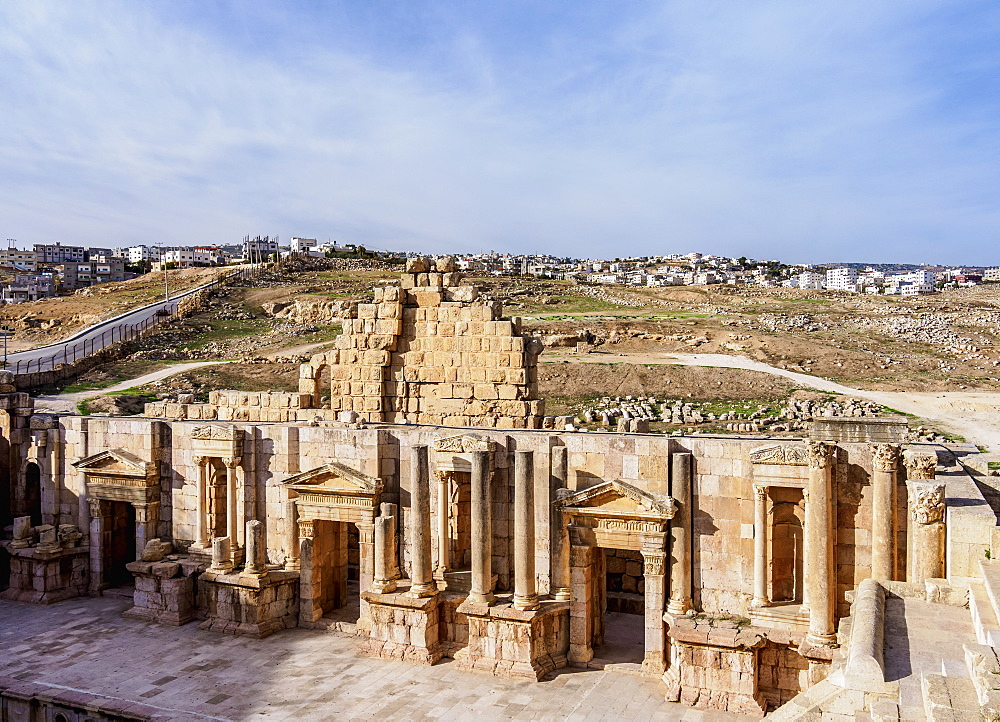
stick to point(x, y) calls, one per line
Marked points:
point(970, 414)
point(66, 403)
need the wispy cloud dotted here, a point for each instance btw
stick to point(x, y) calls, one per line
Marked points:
point(775, 129)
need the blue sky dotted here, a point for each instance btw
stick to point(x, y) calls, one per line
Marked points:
point(809, 132)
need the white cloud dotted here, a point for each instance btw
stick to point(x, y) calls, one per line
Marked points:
point(768, 129)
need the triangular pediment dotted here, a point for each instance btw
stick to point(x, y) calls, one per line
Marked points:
point(334, 478)
point(115, 461)
point(785, 454)
point(464, 443)
point(617, 498)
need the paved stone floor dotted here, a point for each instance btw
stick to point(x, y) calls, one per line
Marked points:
point(84, 644)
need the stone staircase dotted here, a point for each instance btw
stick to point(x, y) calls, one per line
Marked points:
point(939, 660)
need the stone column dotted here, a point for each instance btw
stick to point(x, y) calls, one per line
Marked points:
point(681, 481)
point(256, 550)
point(760, 533)
point(443, 535)
point(926, 528)
point(653, 566)
point(201, 509)
point(292, 535)
point(421, 581)
point(482, 531)
point(819, 544)
point(147, 519)
point(525, 593)
point(310, 607)
point(366, 555)
point(559, 569)
point(222, 555)
point(885, 459)
point(384, 553)
point(98, 522)
point(233, 522)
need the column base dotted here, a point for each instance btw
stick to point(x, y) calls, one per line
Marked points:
point(526, 603)
point(481, 599)
point(758, 603)
point(386, 586)
point(561, 594)
point(679, 607)
point(427, 589)
point(821, 640)
point(413, 636)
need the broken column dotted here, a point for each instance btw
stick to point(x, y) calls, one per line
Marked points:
point(926, 528)
point(384, 552)
point(885, 459)
point(22, 532)
point(292, 562)
point(256, 550)
point(482, 531)
point(819, 544)
point(525, 594)
point(680, 534)
point(222, 557)
point(422, 583)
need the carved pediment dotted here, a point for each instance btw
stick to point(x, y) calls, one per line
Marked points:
point(115, 462)
point(334, 478)
point(786, 454)
point(464, 444)
point(619, 499)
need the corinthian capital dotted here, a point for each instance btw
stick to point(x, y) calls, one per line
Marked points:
point(885, 457)
point(920, 465)
point(820, 454)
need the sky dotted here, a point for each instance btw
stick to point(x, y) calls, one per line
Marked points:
point(806, 132)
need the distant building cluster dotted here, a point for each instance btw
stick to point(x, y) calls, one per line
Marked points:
point(696, 269)
point(49, 269)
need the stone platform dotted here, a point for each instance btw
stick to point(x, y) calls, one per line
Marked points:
point(299, 674)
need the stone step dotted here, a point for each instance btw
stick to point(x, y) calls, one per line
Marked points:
point(984, 671)
point(984, 616)
point(991, 580)
point(824, 700)
point(949, 699)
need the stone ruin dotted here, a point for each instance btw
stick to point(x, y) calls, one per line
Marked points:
point(428, 511)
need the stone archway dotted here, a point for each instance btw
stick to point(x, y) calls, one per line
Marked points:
point(324, 501)
point(616, 515)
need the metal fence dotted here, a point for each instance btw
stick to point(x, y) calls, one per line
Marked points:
point(91, 344)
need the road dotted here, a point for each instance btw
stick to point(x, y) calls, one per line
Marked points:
point(973, 415)
point(93, 339)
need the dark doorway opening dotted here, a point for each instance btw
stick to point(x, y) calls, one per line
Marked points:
point(119, 546)
point(31, 502)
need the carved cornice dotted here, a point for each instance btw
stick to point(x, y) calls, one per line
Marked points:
point(213, 432)
point(785, 454)
point(464, 444)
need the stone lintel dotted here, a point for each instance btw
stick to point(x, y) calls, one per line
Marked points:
point(715, 633)
point(506, 611)
point(236, 579)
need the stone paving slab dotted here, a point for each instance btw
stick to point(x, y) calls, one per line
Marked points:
point(84, 644)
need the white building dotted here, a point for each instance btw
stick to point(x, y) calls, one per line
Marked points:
point(810, 279)
point(302, 245)
point(842, 279)
point(141, 254)
point(186, 257)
